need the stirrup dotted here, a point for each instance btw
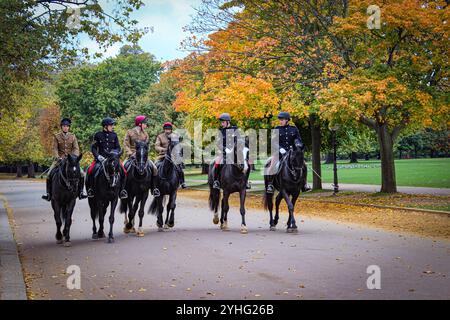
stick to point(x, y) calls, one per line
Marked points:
point(156, 193)
point(183, 185)
point(90, 193)
point(123, 194)
point(82, 196)
point(216, 184)
point(306, 188)
point(47, 197)
point(248, 186)
point(270, 188)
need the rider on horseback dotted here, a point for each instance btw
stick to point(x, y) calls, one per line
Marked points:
point(105, 141)
point(162, 145)
point(64, 143)
point(287, 135)
point(227, 130)
point(138, 134)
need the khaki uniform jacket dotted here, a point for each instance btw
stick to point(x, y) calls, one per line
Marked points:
point(161, 145)
point(133, 135)
point(64, 144)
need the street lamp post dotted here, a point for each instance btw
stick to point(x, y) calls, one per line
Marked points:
point(334, 144)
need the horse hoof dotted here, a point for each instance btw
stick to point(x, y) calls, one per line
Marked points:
point(140, 234)
point(273, 228)
point(133, 230)
point(126, 230)
point(59, 241)
point(292, 230)
point(95, 236)
point(171, 225)
point(224, 226)
point(216, 220)
point(67, 244)
point(244, 230)
point(110, 240)
point(166, 226)
point(101, 236)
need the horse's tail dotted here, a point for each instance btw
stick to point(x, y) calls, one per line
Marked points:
point(214, 199)
point(123, 206)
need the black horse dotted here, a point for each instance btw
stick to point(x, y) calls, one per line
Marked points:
point(168, 181)
point(233, 178)
point(289, 179)
point(106, 193)
point(139, 181)
point(65, 190)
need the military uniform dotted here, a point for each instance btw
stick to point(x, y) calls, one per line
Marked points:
point(63, 145)
point(161, 146)
point(129, 143)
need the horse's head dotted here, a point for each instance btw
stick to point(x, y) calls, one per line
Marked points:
point(174, 151)
point(297, 155)
point(112, 167)
point(141, 156)
point(71, 171)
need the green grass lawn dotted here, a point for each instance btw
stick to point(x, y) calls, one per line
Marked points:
point(412, 172)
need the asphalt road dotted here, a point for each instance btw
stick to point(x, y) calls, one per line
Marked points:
point(196, 260)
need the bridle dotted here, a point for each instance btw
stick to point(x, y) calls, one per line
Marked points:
point(70, 183)
point(141, 164)
point(112, 179)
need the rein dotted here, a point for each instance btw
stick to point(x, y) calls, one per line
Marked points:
point(108, 177)
point(66, 181)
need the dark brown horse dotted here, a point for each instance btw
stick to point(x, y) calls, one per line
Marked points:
point(233, 178)
point(289, 180)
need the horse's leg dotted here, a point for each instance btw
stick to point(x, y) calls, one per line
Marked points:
point(143, 200)
point(159, 221)
point(57, 213)
point(166, 222)
point(94, 210)
point(133, 205)
point(242, 196)
point(111, 220)
point(101, 219)
point(293, 225)
point(68, 222)
point(277, 208)
point(173, 205)
point(224, 213)
point(290, 208)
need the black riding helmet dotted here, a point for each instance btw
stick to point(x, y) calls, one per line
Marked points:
point(108, 121)
point(284, 115)
point(66, 122)
point(225, 117)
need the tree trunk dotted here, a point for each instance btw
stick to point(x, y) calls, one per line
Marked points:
point(205, 168)
point(19, 171)
point(385, 140)
point(31, 173)
point(316, 143)
point(353, 157)
point(329, 158)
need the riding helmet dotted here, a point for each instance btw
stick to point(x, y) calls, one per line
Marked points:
point(225, 117)
point(66, 122)
point(284, 115)
point(108, 121)
point(140, 119)
point(167, 125)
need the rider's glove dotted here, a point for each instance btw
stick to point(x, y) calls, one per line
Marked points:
point(227, 150)
point(282, 151)
point(101, 158)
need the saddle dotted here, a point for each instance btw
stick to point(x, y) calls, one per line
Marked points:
point(278, 164)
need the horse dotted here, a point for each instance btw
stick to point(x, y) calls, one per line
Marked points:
point(233, 178)
point(107, 187)
point(138, 184)
point(65, 190)
point(167, 181)
point(289, 179)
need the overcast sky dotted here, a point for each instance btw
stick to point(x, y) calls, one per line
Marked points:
point(167, 17)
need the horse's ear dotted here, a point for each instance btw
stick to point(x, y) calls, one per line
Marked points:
point(80, 157)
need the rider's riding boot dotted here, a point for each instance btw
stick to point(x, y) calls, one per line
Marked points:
point(81, 194)
point(270, 189)
point(182, 182)
point(90, 191)
point(48, 195)
point(155, 191)
point(216, 183)
point(306, 188)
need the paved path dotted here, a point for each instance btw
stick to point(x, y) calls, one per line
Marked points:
point(196, 260)
point(359, 188)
